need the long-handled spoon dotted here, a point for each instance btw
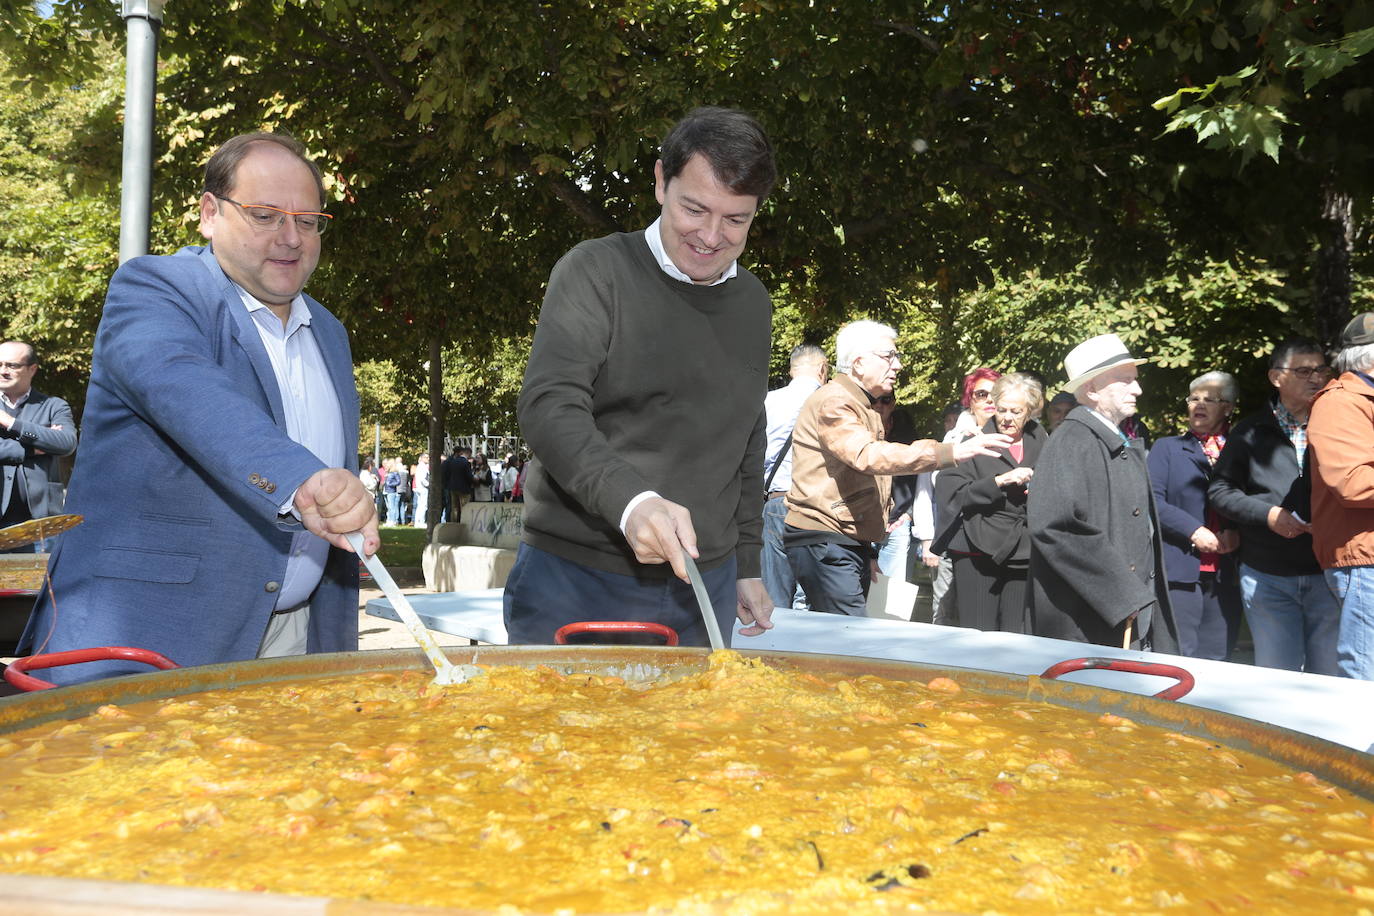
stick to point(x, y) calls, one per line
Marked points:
point(445, 671)
point(704, 602)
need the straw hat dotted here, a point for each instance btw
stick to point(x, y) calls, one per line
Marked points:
point(1095, 356)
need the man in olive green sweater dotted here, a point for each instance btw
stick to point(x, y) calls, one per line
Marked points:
point(643, 405)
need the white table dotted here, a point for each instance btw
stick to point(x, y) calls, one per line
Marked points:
point(476, 615)
point(1337, 709)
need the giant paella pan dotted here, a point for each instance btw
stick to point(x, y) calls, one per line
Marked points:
point(603, 780)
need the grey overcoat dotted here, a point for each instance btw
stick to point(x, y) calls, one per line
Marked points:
point(1096, 554)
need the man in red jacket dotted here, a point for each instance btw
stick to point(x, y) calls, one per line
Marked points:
point(1340, 438)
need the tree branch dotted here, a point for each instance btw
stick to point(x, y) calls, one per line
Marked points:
point(565, 189)
point(366, 52)
point(930, 44)
point(1038, 190)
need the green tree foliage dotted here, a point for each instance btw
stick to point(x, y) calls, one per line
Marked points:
point(1293, 81)
point(59, 240)
point(989, 175)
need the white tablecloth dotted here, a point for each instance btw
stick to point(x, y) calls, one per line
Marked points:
point(1337, 709)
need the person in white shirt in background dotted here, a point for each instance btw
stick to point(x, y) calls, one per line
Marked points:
point(509, 475)
point(809, 369)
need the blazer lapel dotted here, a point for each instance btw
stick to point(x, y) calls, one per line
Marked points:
point(246, 335)
point(1193, 449)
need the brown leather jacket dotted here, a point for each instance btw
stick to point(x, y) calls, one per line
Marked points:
point(1340, 460)
point(842, 468)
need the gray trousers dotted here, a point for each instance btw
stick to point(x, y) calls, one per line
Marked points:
point(942, 609)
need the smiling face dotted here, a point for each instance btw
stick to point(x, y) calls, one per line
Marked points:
point(704, 224)
point(274, 265)
point(1113, 393)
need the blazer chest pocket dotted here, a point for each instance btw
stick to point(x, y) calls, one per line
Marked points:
point(143, 565)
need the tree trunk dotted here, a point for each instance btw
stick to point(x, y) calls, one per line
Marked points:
point(436, 435)
point(1335, 236)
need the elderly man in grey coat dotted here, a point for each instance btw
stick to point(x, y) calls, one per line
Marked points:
point(1096, 567)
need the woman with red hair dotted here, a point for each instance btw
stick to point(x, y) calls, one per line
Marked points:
point(978, 410)
point(977, 401)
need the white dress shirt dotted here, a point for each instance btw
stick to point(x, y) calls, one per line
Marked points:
point(313, 418)
point(654, 237)
point(782, 407)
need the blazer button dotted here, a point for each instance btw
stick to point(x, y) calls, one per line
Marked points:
point(274, 586)
point(253, 479)
point(271, 488)
point(1135, 511)
point(1132, 567)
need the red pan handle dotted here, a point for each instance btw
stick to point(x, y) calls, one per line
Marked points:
point(1185, 679)
point(16, 676)
point(616, 626)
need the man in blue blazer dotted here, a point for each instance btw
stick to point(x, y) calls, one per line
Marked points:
point(35, 430)
point(218, 469)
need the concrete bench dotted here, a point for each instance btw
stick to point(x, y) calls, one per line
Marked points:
point(478, 552)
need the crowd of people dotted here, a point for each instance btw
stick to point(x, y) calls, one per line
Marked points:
point(1066, 520)
point(401, 491)
point(222, 400)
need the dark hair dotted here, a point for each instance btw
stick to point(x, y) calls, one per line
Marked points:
point(223, 166)
point(1064, 397)
point(732, 142)
point(903, 427)
point(973, 378)
point(952, 410)
point(32, 358)
point(1291, 348)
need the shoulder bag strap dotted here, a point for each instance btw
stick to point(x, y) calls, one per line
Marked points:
point(777, 462)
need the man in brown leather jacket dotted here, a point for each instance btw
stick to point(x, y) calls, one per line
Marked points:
point(842, 470)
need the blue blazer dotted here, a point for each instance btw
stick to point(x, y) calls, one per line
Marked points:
point(1179, 475)
point(183, 463)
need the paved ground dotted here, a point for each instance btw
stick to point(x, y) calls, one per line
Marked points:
point(380, 633)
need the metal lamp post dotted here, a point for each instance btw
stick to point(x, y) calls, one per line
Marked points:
point(142, 18)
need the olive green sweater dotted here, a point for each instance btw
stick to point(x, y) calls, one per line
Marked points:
point(636, 382)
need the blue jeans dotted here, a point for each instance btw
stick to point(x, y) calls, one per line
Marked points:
point(894, 551)
point(1353, 586)
point(393, 508)
point(1294, 620)
point(778, 577)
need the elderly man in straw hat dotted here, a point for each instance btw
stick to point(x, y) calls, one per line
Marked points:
point(1095, 566)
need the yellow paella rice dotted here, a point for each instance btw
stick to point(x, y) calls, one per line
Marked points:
point(739, 787)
